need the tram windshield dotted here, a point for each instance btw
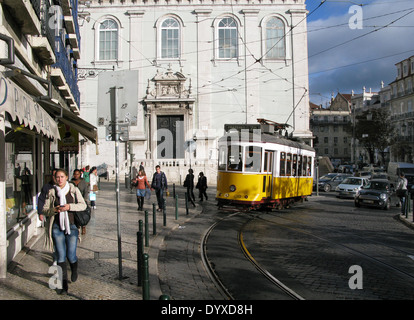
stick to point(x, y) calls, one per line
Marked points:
point(232, 158)
point(252, 159)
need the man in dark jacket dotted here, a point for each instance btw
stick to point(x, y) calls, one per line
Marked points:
point(159, 184)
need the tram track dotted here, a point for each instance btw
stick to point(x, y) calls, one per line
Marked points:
point(343, 246)
point(295, 287)
point(210, 267)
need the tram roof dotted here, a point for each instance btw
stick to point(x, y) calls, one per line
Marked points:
point(265, 138)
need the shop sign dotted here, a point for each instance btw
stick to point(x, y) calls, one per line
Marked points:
point(22, 108)
point(70, 139)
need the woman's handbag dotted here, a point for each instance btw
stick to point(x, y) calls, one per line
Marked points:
point(82, 217)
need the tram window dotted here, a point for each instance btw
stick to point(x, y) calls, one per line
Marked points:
point(253, 159)
point(234, 158)
point(289, 164)
point(268, 161)
point(222, 158)
point(294, 164)
point(305, 164)
point(282, 164)
point(309, 170)
point(299, 166)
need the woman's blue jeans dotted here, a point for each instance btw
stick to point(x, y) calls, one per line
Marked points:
point(65, 244)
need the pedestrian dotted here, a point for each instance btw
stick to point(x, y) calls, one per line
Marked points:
point(141, 166)
point(401, 191)
point(86, 174)
point(93, 181)
point(41, 202)
point(83, 188)
point(141, 182)
point(159, 184)
point(62, 200)
point(43, 194)
point(202, 186)
point(189, 184)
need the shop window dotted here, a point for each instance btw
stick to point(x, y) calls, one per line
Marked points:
point(20, 182)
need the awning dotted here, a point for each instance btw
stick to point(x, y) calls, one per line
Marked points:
point(22, 108)
point(71, 119)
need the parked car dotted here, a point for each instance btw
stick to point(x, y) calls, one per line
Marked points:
point(380, 176)
point(376, 194)
point(365, 174)
point(350, 186)
point(330, 181)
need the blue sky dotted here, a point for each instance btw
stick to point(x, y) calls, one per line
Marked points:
point(343, 58)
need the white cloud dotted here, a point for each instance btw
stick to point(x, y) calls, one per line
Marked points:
point(344, 59)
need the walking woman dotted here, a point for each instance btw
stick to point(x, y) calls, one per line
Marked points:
point(141, 182)
point(61, 201)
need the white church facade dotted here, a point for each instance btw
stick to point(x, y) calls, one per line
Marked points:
point(190, 67)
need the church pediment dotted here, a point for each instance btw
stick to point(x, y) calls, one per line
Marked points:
point(168, 85)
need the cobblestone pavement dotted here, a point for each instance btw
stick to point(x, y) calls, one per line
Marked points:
point(174, 254)
point(28, 277)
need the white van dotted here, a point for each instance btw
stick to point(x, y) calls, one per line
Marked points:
point(395, 168)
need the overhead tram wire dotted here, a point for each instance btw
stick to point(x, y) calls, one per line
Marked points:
point(246, 69)
point(361, 36)
point(282, 38)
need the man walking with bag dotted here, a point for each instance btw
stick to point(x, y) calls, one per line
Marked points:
point(159, 184)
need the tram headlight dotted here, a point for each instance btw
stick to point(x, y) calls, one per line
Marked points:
point(232, 188)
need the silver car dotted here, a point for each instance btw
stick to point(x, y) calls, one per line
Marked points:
point(350, 187)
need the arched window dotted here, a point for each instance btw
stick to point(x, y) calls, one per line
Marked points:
point(227, 39)
point(275, 40)
point(170, 39)
point(108, 40)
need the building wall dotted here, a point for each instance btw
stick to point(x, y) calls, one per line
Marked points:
point(236, 90)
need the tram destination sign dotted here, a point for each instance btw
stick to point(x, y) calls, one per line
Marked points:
point(242, 127)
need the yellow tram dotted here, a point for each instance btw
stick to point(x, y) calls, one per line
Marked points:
point(260, 168)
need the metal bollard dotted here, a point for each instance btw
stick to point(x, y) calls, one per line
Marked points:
point(164, 216)
point(140, 252)
point(154, 223)
point(164, 213)
point(186, 203)
point(176, 207)
point(145, 282)
point(164, 297)
point(140, 226)
point(146, 229)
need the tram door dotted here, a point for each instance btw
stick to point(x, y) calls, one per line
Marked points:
point(268, 173)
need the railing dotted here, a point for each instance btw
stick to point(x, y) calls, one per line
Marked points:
point(36, 6)
point(63, 62)
point(74, 5)
point(47, 31)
